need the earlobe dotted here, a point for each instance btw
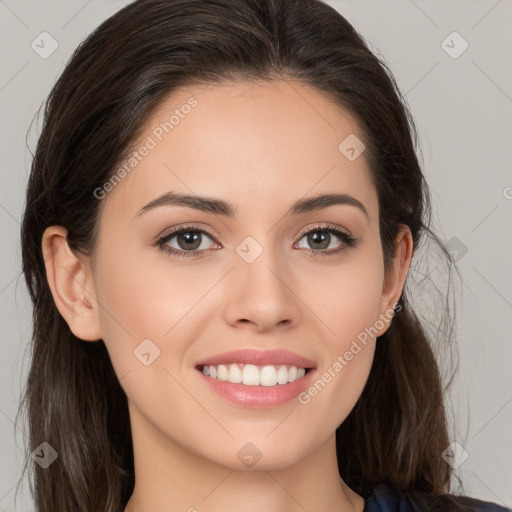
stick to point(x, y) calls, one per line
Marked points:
point(394, 281)
point(70, 282)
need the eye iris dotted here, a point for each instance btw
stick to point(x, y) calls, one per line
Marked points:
point(189, 237)
point(315, 238)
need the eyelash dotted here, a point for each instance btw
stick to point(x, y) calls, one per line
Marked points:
point(348, 241)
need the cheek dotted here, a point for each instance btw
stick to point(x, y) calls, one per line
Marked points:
point(142, 290)
point(349, 309)
point(138, 302)
point(355, 305)
point(348, 355)
point(146, 316)
point(347, 297)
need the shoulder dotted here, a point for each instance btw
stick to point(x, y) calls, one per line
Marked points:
point(385, 499)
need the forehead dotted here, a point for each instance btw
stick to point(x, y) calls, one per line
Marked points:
point(257, 142)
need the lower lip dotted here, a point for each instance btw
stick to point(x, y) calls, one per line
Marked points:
point(259, 396)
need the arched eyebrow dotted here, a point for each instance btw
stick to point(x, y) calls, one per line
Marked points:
point(225, 208)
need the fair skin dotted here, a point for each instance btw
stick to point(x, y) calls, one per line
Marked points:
point(262, 148)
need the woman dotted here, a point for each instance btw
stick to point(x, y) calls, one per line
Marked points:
point(198, 344)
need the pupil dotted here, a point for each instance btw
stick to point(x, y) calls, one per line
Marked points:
point(313, 239)
point(191, 238)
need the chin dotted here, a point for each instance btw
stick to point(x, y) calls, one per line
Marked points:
point(251, 458)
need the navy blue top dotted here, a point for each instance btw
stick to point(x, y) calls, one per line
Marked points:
point(384, 499)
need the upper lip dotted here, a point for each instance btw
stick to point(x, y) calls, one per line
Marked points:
point(259, 358)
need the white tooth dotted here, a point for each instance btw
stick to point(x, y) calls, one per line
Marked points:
point(268, 376)
point(251, 375)
point(282, 375)
point(222, 372)
point(234, 374)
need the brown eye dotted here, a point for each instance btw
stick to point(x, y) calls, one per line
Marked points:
point(319, 239)
point(189, 241)
point(322, 238)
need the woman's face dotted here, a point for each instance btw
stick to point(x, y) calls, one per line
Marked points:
point(261, 277)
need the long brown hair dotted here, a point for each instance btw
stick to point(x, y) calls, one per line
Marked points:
point(118, 75)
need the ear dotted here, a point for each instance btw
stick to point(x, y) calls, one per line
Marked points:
point(71, 284)
point(395, 279)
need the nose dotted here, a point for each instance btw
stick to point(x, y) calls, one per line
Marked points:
point(261, 295)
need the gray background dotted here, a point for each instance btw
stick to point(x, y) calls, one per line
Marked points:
point(462, 107)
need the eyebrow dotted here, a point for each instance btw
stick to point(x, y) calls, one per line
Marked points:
point(227, 209)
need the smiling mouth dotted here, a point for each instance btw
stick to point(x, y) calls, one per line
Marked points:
point(254, 375)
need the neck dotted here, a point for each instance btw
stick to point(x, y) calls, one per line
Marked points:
point(170, 478)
